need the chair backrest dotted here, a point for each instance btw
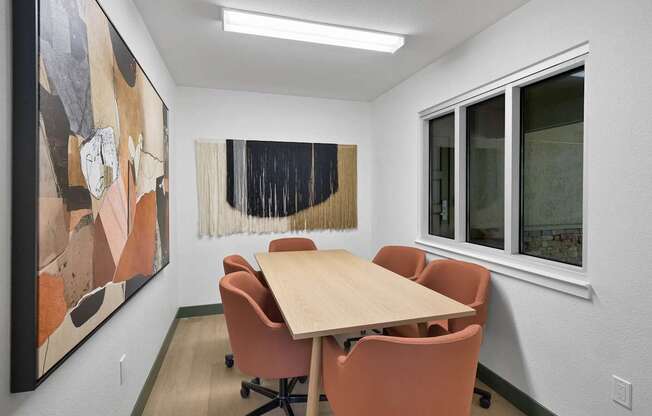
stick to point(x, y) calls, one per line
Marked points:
point(292, 244)
point(236, 263)
point(406, 261)
point(467, 283)
point(404, 376)
point(261, 342)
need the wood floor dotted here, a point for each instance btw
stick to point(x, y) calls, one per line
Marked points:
point(193, 380)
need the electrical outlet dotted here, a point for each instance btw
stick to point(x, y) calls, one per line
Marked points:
point(123, 370)
point(622, 392)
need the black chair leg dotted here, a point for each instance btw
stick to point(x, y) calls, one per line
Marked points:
point(293, 383)
point(302, 398)
point(267, 407)
point(247, 386)
point(287, 409)
point(485, 397)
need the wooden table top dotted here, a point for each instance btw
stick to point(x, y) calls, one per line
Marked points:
point(328, 292)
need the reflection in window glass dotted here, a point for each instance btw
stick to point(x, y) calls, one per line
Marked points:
point(441, 145)
point(485, 123)
point(552, 123)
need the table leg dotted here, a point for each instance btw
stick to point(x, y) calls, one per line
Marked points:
point(314, 382)
point(423, 329)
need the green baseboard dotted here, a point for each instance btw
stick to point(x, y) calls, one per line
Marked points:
point(200, 310)
point(139, 407)
point(511, 393)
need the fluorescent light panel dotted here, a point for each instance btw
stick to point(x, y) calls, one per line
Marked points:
point(285, 28)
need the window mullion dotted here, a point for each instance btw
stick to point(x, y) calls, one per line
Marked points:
point(460, 174)
point(512, 163)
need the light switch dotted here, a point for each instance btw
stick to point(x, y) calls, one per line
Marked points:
point(123, 374)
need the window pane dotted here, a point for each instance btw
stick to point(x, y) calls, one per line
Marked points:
point(485, 135)
point(441, 176)
point(552, 124)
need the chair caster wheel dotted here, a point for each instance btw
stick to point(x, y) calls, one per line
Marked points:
point(228, 361)
point(485, 403)
point(256, 380)
point(302, 380)
point(244, 392)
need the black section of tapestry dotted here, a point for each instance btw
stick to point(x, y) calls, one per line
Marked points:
point(230, 174)
point(283, 178)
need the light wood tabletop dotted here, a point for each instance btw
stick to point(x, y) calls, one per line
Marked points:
point(329, 292)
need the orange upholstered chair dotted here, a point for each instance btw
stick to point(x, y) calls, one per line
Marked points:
point(236, 263)
point(389, 376)
point(292, 244)
point(406, 261)
point(261, 341)
point(467, 283)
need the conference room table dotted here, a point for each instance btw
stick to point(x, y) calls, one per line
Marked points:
point(330, 292)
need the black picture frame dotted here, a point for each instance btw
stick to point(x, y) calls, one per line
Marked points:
point(24, 194)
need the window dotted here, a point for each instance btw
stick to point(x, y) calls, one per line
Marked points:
point(552, 138)
point(485, 163)
point(503, 174)
point(441, 162)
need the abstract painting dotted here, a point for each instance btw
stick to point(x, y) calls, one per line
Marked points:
point(101, 186)
point(254, 186)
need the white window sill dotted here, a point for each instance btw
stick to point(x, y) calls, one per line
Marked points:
point(560, 278)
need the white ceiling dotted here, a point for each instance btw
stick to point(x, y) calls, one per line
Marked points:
point(198, 53)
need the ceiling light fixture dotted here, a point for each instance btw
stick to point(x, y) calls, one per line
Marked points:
point(285, 28)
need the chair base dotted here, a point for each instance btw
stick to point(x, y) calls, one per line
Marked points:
point(485, 397)
point(283, 398)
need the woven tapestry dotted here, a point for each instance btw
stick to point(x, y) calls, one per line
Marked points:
point(253, 186)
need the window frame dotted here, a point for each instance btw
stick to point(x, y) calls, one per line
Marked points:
point(429, 178)
point(558, 276)
point(467, 211)
point(520, 172)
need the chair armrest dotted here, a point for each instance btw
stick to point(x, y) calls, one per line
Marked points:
point(476, 305)
point(332, 363)
point(458, 324)
point(262, 314)
point(333, 351)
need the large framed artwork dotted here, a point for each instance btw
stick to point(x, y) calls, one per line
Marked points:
point(261, 186)
point(90, 221)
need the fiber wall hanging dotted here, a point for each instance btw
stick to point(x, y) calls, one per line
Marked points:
point(90, 222)
point(252, 186)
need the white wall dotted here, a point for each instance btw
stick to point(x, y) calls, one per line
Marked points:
point(88, 382)
point(219, 114)
point(559, 349)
